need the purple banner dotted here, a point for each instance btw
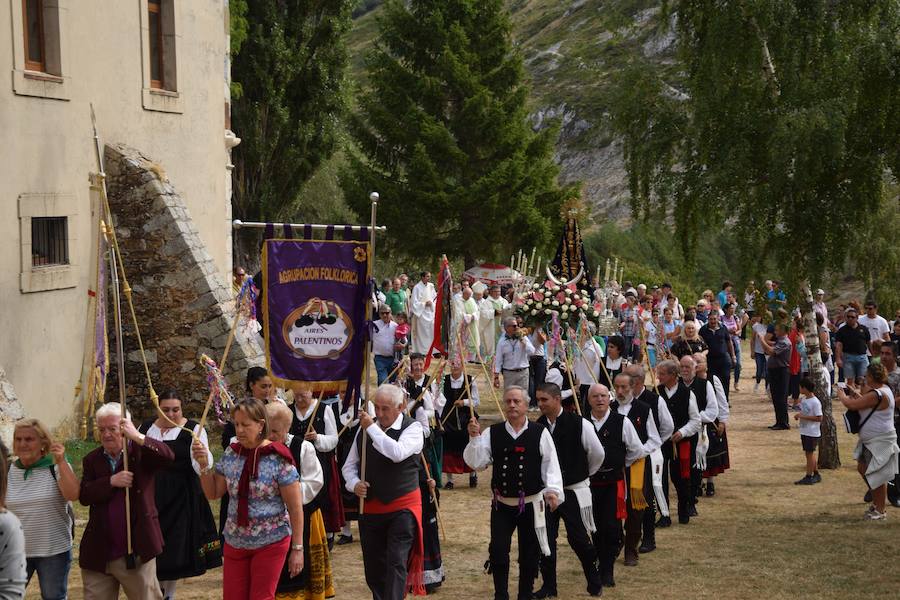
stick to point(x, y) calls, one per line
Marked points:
point(315, 311)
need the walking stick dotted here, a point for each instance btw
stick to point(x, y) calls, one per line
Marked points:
point(465, 377)
point(312, 419)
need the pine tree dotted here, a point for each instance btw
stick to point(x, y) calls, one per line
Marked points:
point(442, 134)
point(289, 74)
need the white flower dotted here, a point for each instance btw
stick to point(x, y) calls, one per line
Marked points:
point(555, 288)
point(546, 294)
point(536, 286)
point(596, 314)
point(565, 308)
point(533, 312)
point(568, 300)
point(565, 315)
point(568, 291)
point(555, 303)
point(539, 305)
point(546, 311)
point(576, 297)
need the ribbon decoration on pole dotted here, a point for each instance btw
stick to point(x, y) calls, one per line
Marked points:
point(314, 306)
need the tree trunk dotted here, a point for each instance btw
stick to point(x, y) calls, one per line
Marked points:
point(829, 454)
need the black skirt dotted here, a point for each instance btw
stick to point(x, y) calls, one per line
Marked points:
point(191, 540)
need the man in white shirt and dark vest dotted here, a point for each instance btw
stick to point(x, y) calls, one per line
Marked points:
point(708, 407)
point(580, 455)
point(638, 477)
point(657, 464)
point(390, 526)
point(457, 392)
point(622, 447)
point(680, 450)
point(526, 480)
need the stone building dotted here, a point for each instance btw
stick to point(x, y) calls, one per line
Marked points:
point(157, 74)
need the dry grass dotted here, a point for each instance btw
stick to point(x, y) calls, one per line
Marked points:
point(760, 537)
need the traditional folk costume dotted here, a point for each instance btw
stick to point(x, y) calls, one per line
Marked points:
point(709, 410)
point(717, 460)
point(421, 408)
point(658, 467)
point(433, 565)
point(422, 317)
point(557, 373)
point(638, 475)
point(390, 529)
point(322, 418)
point(682, 406)
point(608, 487)
point(525, 468)
point(191, 540)
point(613, 366)
point(580, 455)
point(315, 581)
point(454, 423)
point(586, 369)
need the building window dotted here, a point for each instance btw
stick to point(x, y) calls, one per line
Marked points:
point(33, 12)
point(157, 68)
point(49, 241)
point(39, 67)
point(47, 232)
point(159, 20)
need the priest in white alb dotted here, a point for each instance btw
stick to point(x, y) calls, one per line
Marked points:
point(422, 308)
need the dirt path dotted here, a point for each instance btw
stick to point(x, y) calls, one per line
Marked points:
point(759, 537)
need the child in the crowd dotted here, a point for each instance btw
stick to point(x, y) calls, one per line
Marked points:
point(810, 417)
point(401, 336)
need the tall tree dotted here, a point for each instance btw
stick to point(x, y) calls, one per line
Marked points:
point(442, 133)
point(290, 69)
point(779, 117)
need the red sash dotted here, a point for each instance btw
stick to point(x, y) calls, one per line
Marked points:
point(684, 458)
point(621, 508)
point(415, 572)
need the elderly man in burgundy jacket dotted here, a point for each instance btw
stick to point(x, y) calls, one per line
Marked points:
point(103, 555)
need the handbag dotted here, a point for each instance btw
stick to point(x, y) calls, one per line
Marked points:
point(852, 417)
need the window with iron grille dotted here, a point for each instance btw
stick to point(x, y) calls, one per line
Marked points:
point(49, 241)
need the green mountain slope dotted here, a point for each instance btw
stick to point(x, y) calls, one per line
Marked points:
point(572, 50)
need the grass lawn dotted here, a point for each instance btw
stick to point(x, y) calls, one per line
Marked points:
point(760, 537)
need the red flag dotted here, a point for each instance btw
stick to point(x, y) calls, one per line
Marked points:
point(440, 342)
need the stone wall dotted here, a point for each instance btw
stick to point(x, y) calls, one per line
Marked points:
point(184, 305)
point(10, 409)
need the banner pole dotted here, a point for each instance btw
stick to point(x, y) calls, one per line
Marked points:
point(373, 197)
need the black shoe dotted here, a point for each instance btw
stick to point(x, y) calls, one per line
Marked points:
point(895, 502)
point(646, 547)
point(473, 480)
point(683, 520)
point(698, 492)
point(544, 593)
point(773, 427)
point(782, 427)
point(608, 579)
point(595, 591)
point(331, 543)
point(710, 489)
point(808, 480)
point(868, 496)
point(344, 539)
point(692, 511)
point(448, 485)
point(662, 522)
point(816, 477)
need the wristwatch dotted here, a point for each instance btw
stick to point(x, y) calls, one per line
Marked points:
point(298, 547)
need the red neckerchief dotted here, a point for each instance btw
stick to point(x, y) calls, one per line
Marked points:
point(251, 471)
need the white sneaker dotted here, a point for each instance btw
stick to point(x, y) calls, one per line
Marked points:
point(756, 388)
point(876, 515)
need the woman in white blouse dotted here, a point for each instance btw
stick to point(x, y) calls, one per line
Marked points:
point(315, 581)
point(41, 485)
point(192, 542)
